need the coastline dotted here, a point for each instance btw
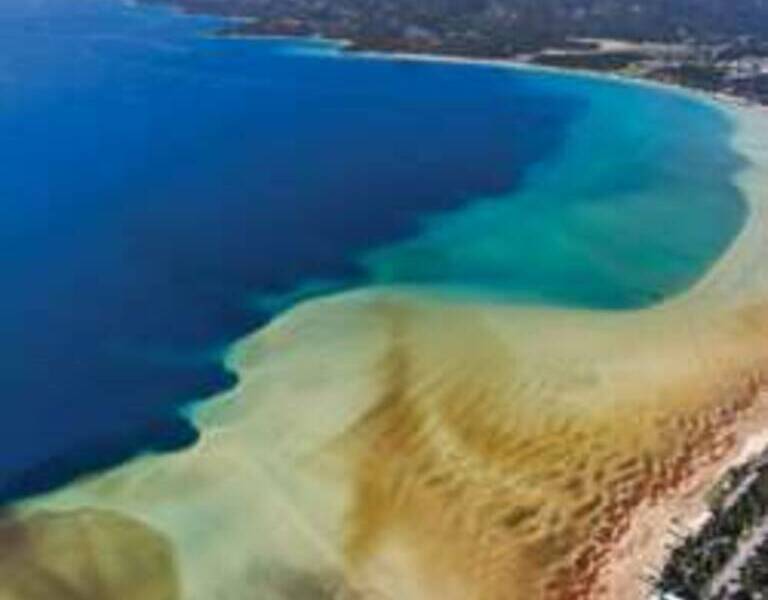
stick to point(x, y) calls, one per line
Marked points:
point(247, 477)
point(739, 268)
point(744, 115)
point(736, 109)
point(293, 464)
point(738, 278)
point(346, 49)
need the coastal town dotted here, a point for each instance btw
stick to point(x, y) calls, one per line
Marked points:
point(712, 47)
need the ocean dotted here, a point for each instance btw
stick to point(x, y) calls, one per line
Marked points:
point(165, 192)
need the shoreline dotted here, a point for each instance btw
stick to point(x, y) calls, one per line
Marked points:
point(645, 550)
point(734, 108)
point(293, 443)
point(738, 266)
point(642, 548)
point(347, 49)
point(382, 444)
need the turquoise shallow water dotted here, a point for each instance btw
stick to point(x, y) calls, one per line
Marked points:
point(164, 193)
point(634, 208)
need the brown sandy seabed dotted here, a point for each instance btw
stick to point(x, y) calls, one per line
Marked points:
point(383, 445)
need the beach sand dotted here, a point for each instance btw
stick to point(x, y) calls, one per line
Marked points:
point(389, 445)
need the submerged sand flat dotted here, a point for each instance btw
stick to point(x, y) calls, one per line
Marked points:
point(384, 445)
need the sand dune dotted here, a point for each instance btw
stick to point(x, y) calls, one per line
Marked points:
point(384, 444)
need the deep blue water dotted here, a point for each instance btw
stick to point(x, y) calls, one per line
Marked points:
point(159, 189)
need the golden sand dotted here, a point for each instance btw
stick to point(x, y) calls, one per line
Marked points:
point(384, 445)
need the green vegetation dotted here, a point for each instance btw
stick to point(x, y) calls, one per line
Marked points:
point(739, 509)
point(503, 25)
point(715, 45)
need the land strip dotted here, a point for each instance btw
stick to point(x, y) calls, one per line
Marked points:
point(721, 48)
